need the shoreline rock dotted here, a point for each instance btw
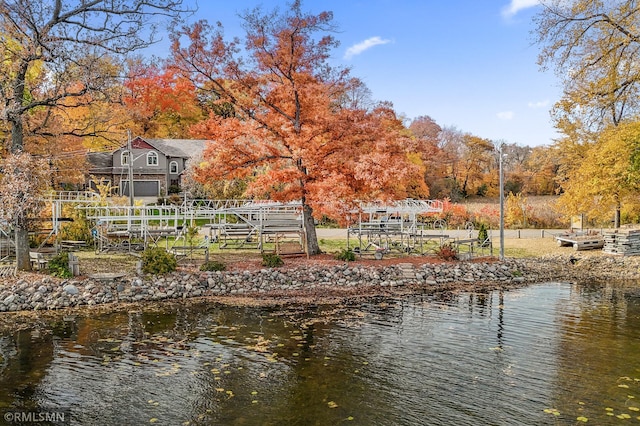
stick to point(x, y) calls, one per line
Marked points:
point(48, 293)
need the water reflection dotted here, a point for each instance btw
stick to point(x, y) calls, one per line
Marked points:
point(547, 354)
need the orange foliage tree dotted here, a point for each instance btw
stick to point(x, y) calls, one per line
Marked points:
point(161, 103)
point(280, 122)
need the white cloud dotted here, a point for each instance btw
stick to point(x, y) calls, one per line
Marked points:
point(357, 49)
point(539, 104)
point(516, 6)
point(505, 115)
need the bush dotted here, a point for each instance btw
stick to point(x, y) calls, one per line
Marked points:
point(59, 265)
point(346, 255)
point(483, 235)
point(174, 199)
point(447, 252)
point(271, 260)
point(213, 265)
point(156, 260)
point(79, 229)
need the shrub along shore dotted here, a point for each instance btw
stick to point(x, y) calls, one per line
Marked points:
point(315, 282)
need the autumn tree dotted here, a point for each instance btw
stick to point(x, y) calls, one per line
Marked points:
point(285, 125)
point(53, 55)
point(356, 95)
point(219, 189)
point(593, 46)
point(52, 49)
point(540, 168)
point(22, 183)
point(426, 133)
point(160, 102)
point(443, 166)
point(425, 129)
point(476, 163)
point(607, 176)
point(93, 121)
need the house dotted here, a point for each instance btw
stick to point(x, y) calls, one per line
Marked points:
point(157, 165)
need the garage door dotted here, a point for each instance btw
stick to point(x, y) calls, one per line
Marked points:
point(142, 188)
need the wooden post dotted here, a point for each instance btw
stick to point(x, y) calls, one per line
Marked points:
point(74, 265)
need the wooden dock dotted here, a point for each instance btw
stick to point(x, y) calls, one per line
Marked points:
point(580, 241)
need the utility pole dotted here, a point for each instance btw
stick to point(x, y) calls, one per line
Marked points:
point(501, 204)
point(130, 163)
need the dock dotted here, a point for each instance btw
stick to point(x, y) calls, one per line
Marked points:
point(580, 240)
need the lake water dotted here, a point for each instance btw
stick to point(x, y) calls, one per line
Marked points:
point(551, 354)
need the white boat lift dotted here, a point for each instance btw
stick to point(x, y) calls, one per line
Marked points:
point(397, 226)
point(239, 224)
point(256, 223)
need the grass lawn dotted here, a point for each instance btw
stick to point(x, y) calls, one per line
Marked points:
point(123, 262)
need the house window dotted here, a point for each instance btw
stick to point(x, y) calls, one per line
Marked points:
point(173, 167)
point(152, 159)
point(124, 158)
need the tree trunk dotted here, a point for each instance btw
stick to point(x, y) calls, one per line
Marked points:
point(23, 262)
point(310, 230)
point(616, 219)
point(17, 141)
point(22, 249)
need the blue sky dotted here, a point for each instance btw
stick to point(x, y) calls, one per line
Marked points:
point(467, 64)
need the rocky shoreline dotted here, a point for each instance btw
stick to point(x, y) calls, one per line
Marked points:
point(48, 293)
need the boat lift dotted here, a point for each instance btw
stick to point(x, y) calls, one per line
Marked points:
point(257, 223)
point(132, 228)
point(396, 226)
point(233, 224)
